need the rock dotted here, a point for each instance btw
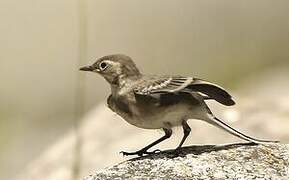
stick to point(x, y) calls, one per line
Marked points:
point(234, 161)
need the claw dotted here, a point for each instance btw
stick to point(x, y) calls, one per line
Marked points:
point(140, 152)
point(127, 153)
point(122, 152)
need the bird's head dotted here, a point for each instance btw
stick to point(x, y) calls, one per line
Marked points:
point(114, 67)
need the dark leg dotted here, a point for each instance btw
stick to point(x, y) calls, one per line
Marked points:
point(187, 131)
point(168, 133)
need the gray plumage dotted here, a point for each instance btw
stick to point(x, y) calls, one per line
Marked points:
point(160, 102)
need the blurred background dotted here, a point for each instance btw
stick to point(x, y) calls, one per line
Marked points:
point(43, 43)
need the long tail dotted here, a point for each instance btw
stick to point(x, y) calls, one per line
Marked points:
point(218, 123)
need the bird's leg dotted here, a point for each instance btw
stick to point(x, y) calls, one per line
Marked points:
point(187, 131)
point(141, 152)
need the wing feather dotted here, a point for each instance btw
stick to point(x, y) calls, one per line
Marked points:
point(212, 90)
point(160, 85)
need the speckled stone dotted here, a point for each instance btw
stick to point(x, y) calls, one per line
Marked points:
point(234, 161)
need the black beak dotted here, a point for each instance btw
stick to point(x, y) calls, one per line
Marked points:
point(86, 68)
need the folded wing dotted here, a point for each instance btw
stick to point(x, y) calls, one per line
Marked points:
point(184, 84)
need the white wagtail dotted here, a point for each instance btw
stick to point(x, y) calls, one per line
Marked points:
point(160, 102)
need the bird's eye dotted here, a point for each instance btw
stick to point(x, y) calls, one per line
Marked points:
point(103, 65)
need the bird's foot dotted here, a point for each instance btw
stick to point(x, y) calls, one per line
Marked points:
point(141, 152)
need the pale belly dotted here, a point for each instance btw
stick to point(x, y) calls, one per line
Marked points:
point(165, 117)
point(153, 115)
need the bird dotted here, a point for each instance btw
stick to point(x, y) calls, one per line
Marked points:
point(161, 101)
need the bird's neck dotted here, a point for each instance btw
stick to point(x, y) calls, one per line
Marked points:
point(122, 84)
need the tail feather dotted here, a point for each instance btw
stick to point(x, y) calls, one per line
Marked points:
point(217, 122)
